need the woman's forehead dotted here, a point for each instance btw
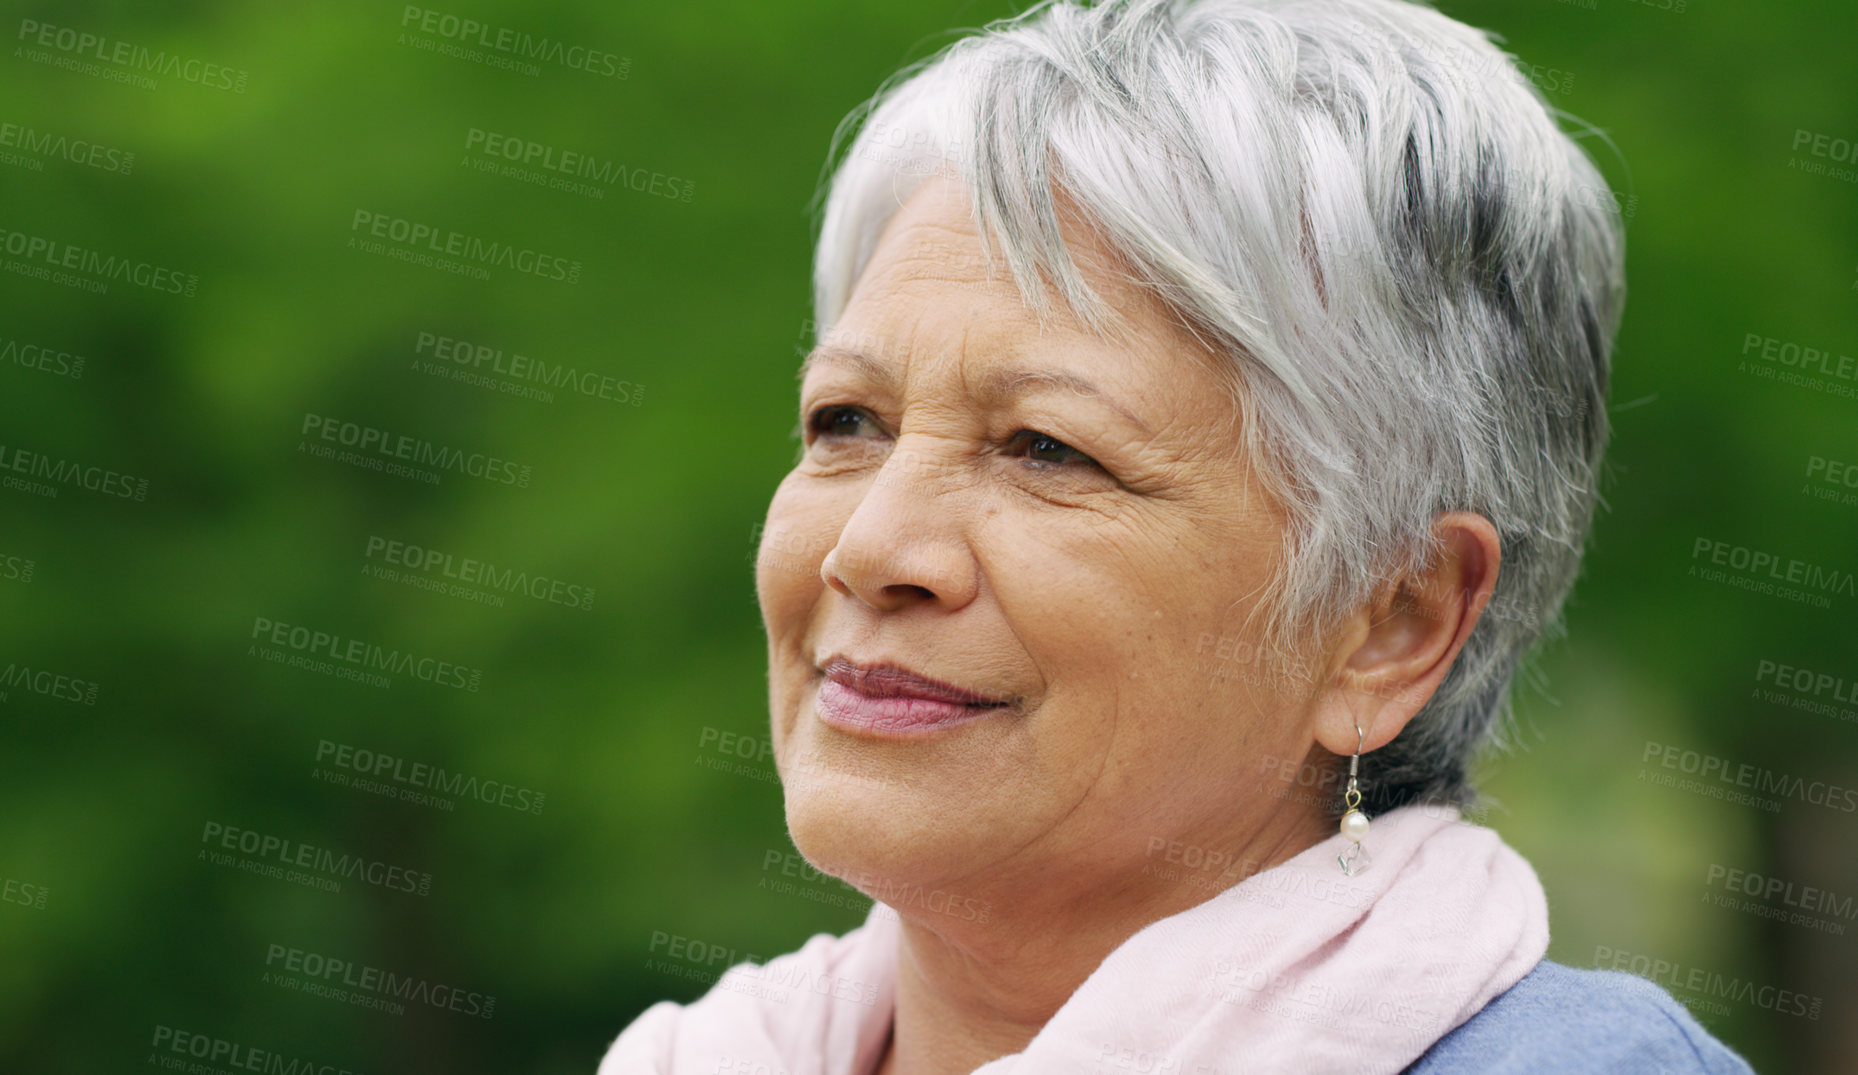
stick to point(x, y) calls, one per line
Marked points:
point(928, 290)
point(933, 236)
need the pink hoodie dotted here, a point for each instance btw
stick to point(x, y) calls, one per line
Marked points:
point(1295, 969)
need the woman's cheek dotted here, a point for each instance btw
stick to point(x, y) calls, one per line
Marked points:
point(787, 555)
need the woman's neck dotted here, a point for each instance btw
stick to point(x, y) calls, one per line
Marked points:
point(968, 995)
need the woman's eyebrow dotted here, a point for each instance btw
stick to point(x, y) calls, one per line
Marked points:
point(1006, 384)
point(1011, 383)
point(867, 365)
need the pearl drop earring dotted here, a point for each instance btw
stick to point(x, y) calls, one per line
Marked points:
point(1354, 823)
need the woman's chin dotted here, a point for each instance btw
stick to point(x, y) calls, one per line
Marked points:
point(847, 824)
point(877, 838)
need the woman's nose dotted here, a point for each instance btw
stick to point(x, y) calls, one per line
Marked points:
point(906, 542)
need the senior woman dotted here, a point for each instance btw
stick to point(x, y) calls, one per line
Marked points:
point(1205, 421)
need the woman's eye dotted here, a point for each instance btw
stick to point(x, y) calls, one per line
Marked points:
point(838, 421)
point(844, 422)
point(1043, 449)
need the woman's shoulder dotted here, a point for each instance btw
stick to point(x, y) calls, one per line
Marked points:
point(822, 1008)
point(1558, 1018)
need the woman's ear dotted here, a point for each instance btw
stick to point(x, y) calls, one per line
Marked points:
point(1394, 652)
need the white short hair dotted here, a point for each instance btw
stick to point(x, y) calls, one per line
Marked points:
point(1365, 206)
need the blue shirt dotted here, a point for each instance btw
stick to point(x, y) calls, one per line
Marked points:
point(1558, 1019)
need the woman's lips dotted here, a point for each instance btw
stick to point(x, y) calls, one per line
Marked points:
point(887, 699)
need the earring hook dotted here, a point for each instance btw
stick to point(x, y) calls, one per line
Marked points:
point(1354, 823)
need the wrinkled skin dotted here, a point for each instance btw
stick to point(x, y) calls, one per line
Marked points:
point(1074, 551)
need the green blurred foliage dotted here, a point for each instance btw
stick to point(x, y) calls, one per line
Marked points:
point(616, 713)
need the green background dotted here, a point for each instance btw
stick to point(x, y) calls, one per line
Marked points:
point(616, 712)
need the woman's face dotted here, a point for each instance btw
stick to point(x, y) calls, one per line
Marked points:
point(1042, 518)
